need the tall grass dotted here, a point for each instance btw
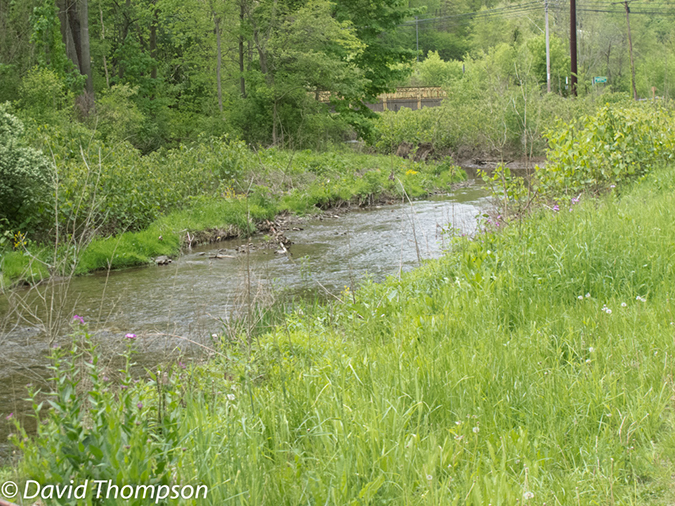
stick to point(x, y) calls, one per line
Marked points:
point(528, 366)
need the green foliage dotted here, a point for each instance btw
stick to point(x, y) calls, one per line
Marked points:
point(560, 62)
point(117, 117)
point(617, 143)
point(102, 428)
point(24, 176)
point(43, 94)
point(433, 71)
point(529, 365)
point(133, 208)
point(51, 50)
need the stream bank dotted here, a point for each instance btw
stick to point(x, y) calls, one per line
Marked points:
point(196, 295)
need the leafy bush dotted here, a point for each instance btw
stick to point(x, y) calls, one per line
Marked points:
point(43, 93)
point(117, 116)
point(23, 175)
point(101, 428)
point(616, 143)
point(433, 71)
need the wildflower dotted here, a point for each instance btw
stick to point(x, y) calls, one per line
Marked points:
point(575, 200)
point(528, 495)
point(641, 299)
point(556, 208)
point(588, 360)
point(130, 336)
point(139, 405)
point(231, 397)
point(623, 304)
point(79, 319)
point(10, 416)
point(215, 336)
point(588, 295)
point(612, 186)
point(476, 430)
point(591, 349)
point(458, 422)
point(181, 365)
point(580, 297)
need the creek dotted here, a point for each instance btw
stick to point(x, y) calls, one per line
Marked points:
point(169, 307)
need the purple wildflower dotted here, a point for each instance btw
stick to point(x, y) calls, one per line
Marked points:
point(10, 416)
point(140, 405)
point(130, 336)
point(556, 208)
point(79, 319)
point(181, 365)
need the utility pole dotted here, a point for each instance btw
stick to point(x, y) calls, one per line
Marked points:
point(630, 46)
point(573, 46)
point(548, 50)
point(417, 38)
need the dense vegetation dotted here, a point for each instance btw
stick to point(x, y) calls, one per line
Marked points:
point(531, 364)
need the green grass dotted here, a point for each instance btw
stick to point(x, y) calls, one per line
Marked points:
point(275, 182)
point(480, 378)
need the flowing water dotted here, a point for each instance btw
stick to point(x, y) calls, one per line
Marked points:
point(192, 298)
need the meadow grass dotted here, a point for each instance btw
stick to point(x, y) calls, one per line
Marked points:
point(529, 366)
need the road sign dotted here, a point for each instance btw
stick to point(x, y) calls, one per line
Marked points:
point(601, 79)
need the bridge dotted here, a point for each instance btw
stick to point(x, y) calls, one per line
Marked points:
point(412, 97)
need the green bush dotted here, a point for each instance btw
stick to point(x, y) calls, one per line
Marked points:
point(117, 117)
point(616, 143)
point(23, 175)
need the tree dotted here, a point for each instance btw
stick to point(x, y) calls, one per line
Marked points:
point(74, 17)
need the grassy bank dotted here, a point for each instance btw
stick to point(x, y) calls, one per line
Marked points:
point(531, 366)
point(255, 187)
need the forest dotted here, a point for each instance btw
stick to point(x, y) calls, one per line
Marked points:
point(162, 72)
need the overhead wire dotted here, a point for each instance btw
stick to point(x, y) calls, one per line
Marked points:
point(524, 8)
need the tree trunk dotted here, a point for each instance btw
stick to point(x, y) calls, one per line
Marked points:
point(242, 82)
point(66, 13)
point(153, 40)
point(219, 64)
point(85, 53)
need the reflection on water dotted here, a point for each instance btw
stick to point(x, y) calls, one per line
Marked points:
point(189, 297)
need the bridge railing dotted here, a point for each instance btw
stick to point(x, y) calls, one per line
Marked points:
point(414, 97)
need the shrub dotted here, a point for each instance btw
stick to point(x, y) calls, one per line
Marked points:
point(616, 143)
point(23, 175)
point(117, 116)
